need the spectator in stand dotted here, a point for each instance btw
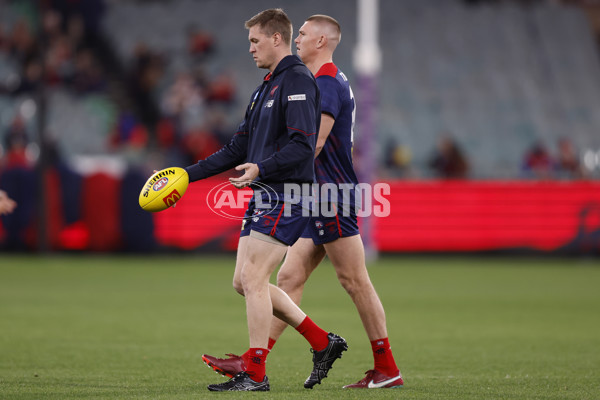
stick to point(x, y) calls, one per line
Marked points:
point(147, 71)
point(22, 43)
point(59, 65)
point(87, 76)
point(397, 160)
point(537, 162)
point(448, 160)
point(16, 141)
point(51, 25)
point(75, 31)
point(199, 143)
point(183, 101)
point(129, 132)
point(30, 79)
point(567, 161)
point(221, 89)
point(200, 43)
point(217, 120)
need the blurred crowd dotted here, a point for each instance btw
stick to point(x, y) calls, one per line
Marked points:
point(51, 47)
point(563, 163)
point(448, 160)
point(59, 44)
point(183, 113)
point(174, 118)
point(177, 112)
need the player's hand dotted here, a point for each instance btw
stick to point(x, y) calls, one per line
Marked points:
point(7, 205)
point(250, 174)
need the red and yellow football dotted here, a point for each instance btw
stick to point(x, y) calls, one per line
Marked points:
point(163, 189)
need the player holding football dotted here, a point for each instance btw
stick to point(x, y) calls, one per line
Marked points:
point(275, 144)
point(337, 236)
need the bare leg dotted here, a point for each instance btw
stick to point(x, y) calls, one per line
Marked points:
point(262, 298)
point(301, 260)
point(348, 258)
point(239, 263)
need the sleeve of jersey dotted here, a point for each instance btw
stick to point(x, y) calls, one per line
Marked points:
point(230, 155)
point(302, 113)
point(330, 100)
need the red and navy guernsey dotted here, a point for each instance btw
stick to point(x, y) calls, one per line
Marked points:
point(279, 130)
point(334, 162)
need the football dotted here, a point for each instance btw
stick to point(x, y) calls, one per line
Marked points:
point(163, 189)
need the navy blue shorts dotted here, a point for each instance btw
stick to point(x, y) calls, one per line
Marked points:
point(272, 219)
point(327, 229)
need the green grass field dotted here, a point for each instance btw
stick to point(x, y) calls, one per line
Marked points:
point(108, 327)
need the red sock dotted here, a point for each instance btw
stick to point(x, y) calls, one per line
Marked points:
point(246, 356)
point(255, 363)
point(384, 360)
point(316, 336)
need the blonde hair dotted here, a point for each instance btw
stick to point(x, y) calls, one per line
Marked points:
point(320, 18)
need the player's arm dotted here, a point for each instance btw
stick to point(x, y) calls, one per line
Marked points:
point(330, 108)
point(327, 122)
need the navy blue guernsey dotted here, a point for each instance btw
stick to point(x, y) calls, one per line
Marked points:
point(278, 132)
point(334, 162)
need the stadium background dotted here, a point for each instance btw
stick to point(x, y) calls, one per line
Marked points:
point(96, 94)
point(127, 302)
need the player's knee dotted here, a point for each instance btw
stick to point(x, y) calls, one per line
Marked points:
point(249, 280)
point(352, 284)
point(289, 280)
point(238, 286)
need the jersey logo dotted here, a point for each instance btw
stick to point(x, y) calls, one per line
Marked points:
point(269, 104)
point(297, 97)
point(272, 92)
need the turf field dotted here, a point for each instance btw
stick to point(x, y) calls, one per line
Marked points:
point(107, 327)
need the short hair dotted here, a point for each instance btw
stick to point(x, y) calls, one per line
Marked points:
point(272, 21)
point(328, 20)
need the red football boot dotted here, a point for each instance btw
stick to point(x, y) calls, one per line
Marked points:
point(229, 367)
point(377, 380)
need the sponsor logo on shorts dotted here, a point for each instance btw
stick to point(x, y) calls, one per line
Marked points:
point(256, 215)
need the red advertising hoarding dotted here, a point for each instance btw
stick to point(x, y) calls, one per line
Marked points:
point(427, 216)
